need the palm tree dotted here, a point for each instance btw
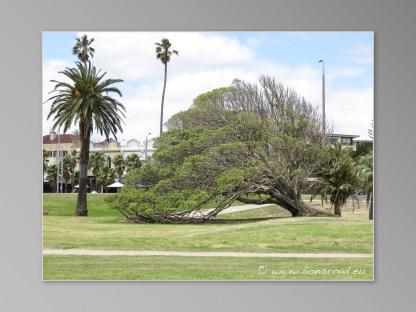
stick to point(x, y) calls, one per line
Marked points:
point(133, 161)
point(82, 49)
point(73, 159)
point(51, 175)
point(163, 53)
point(338, 177)
point(365, 172)
point(66, 171)
point(119, 164)
point(106, 176)
point(96, 163)
point(85, 101)
point(45, 163)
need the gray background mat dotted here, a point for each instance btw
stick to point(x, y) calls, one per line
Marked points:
point(21, 23)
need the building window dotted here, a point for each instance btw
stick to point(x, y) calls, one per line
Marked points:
point(346, 141)
point(333, 140)
point(109, 162)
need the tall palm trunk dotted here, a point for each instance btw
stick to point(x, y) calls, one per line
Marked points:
point(163, 99)
point(81, 209)
point(120, 174)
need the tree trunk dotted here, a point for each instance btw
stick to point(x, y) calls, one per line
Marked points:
point(371, 211)
point(337, 209)
point(73, 181)
point(297, 208)
point(163, 99)
point(81, 209)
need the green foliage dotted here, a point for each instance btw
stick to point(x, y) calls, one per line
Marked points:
point(133, 162)
point(52, 171)
point(230, 180)
point(119, 164)
point(146, 176)
point(105, 176)
point(338, 177)
point(361, 149)
point(45, 161)
point(66, 168)
point(82, 49)
point(86, 98)
point(163, 51)
point(96, 162)
point(365, 173)
point(147, 203)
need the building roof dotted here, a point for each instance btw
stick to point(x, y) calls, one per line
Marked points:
point(63, 138)
point(334, 135)
point(106, 142)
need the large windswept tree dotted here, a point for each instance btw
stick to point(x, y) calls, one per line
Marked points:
point(85, 99)
point(246, 139)
point(164, 54)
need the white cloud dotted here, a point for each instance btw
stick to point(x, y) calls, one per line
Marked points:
point(350, 111)
point(361, 54)
point(207, 61)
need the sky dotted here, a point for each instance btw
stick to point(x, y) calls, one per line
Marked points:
point(209, 60)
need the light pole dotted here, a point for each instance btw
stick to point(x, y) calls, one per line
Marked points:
point(145, 147)
point(52, 136)
point(323, 96)
point(58, 175)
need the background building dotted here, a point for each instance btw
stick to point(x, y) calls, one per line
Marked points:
point(349, 140)
point(60, 146)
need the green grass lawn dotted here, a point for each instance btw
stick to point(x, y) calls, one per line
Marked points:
point(64, 205)
point(105, 229)
point(278, 235)
point(203, 268)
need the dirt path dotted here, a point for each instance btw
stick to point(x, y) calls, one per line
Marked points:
point(96, 252)
point(242, 208)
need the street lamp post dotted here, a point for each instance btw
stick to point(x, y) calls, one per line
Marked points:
point(52, 136)
point(323, 97)
point(58, 174)
point(145, 147)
